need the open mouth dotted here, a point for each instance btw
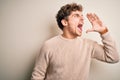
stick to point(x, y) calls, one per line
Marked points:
point(80, 27)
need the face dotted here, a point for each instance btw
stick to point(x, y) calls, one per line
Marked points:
point(75, 24)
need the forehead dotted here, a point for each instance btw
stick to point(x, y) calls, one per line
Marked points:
point(76, 12)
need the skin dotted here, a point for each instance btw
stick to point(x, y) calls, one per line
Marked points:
point(97, 24)
point(74, 23)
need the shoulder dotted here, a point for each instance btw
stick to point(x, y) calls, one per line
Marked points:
point(50, 42)
point(89, 42)
point(86, 40)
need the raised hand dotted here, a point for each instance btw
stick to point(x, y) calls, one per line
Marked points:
point(97, 25)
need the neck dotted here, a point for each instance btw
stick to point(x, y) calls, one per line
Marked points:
point(68, 35)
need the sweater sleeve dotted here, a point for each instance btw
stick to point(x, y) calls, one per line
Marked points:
point(41, 64)
point(106, 52)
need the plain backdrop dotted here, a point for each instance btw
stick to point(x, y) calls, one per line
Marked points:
point(26, 24)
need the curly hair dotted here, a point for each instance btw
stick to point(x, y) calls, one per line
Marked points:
point(65, 11)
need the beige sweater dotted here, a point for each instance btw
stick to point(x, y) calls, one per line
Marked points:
point(69, 59)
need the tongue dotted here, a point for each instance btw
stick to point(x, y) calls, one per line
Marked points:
point(80, 27)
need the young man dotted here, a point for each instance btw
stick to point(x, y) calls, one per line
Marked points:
point(68, 56)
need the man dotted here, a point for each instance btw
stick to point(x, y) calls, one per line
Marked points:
point(68, 56)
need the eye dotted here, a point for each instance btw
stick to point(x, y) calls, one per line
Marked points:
point(82, 15)
point(76, 15)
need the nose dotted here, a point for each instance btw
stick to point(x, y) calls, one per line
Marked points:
point(82, 19)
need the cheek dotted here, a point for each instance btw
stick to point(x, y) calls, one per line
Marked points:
point(74, 22)
point(75, 19)
point(72, 27)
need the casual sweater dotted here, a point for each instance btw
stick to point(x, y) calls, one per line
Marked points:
point(69, 59)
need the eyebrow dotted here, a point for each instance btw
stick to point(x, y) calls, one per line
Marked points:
point(78, 14)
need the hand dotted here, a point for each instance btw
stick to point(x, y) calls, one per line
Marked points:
point(97, 25)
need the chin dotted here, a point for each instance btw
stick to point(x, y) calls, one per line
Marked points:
point(79, 34)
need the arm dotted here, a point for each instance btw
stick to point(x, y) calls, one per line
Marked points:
point(108, 51)
point(41, 65)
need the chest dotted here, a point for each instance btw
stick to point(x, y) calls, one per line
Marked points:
point(70, 55)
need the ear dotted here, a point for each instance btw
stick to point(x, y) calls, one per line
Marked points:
point(64, 22)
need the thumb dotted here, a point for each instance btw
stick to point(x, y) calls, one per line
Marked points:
point(90, 30)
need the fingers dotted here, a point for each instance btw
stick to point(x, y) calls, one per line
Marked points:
point(92, 17)
point(96, 17)
point(97, 24)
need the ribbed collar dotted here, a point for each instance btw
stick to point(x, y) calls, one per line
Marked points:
point(66, 39)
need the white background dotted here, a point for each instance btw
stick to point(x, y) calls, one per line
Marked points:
point(26, 24)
